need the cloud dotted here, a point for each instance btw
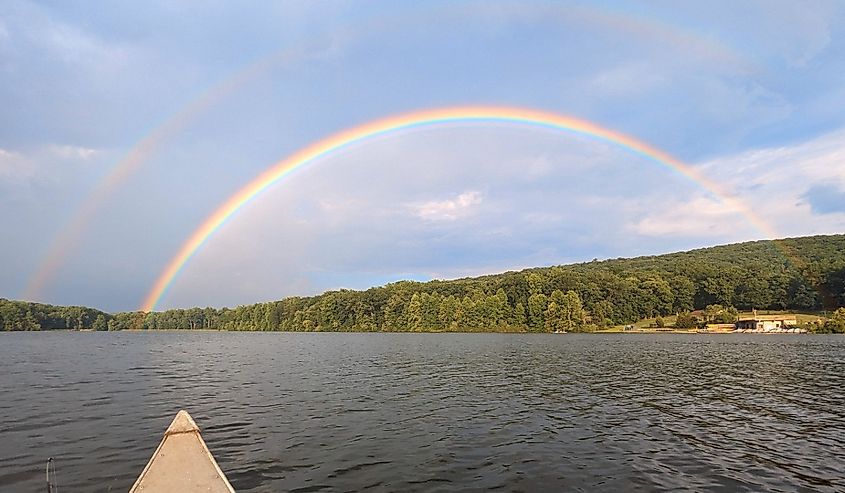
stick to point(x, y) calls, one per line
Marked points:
point(15, 166)
point(345, 222)
point(70, 152)
point(37, 29)
point(42, 163)
point(699, 217)
point(693, 79)
point(784, 168)
point(825, 199)
point(450, 209)
point(795, 190)
point(780, 184)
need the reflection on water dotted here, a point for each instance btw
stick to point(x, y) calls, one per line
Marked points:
point(430, 412)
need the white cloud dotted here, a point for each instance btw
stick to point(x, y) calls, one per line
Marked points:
point(450, 209)
point(816, 160)
point(16, 167)
point(776, 180)
point(697, 218)
point(70, 152)
point(772, 182)
point(42, 161)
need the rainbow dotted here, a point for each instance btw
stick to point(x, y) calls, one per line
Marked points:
point(419, 119)
point(72, 232)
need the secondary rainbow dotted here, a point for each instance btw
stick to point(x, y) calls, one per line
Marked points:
point(428, 118)
point(72, 232)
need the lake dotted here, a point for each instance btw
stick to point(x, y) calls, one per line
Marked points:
point(430, 412)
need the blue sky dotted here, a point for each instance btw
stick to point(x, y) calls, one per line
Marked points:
point(751, 93)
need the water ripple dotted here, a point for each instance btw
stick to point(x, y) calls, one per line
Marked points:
point(431, 412)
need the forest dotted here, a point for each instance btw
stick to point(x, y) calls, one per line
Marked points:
point(802, 274)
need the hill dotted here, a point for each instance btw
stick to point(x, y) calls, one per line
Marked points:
point(802, 274)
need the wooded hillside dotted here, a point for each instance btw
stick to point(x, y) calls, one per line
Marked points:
point(804, 274)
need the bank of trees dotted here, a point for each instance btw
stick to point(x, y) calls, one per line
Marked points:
point(21, 315)
point(835, 324)
point(403, 306)
point(796, 274)
point(804, 274)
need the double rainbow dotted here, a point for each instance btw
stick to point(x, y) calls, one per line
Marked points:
point(617, 19)
point(427, 118)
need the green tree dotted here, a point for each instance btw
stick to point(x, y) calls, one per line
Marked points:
point(683, 290)
point(720, 288)
point(658, 297)
point(754, 292)
point(449, 314)
point(836, 323)
point(602, 313)
point(29, 322)
point(430, 308)
point(686, 320)
point(501, 307)
point(414, 313)
point(519, 317)
point(554, 317)
point(537, 305)
point(803, 296)
point(100, 323)
point(573, 311)
point(720, 315)
point(394, 313)
point(536, 283)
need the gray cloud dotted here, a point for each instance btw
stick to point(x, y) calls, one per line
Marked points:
point(825, 199)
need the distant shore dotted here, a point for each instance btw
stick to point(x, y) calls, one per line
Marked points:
point(644, 331)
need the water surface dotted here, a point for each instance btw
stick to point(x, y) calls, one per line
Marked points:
point(430, 412)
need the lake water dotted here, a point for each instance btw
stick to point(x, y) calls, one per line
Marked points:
point(430, 412)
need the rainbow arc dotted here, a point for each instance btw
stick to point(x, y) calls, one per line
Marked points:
point(66, 239)
point(420, 119)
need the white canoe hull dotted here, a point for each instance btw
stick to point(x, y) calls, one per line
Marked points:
point(182, 463)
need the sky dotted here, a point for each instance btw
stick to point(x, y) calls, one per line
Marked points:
point(125, 124)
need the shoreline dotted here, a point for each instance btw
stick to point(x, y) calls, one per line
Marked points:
point(598, 332)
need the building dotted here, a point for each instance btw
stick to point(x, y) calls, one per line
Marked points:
point(766, 323)
point(719, 328)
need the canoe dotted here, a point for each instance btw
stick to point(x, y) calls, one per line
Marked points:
point(182, 463)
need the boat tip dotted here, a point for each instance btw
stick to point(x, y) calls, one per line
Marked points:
point(182, 423)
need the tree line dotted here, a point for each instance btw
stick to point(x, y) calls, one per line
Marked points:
point(802, 274)
point(22, 315)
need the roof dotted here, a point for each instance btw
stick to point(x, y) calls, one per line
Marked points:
point(769, 318)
